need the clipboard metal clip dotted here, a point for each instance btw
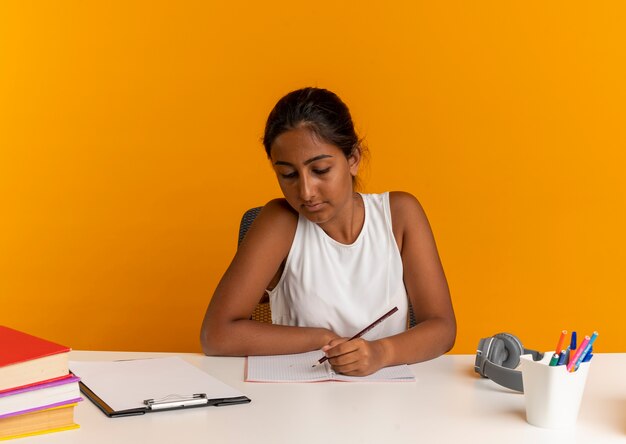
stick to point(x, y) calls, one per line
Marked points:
point(176, 402)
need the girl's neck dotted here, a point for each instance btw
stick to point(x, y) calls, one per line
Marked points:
point(347, 226)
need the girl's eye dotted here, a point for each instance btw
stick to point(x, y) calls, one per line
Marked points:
point(289, 175)
point(320, 172)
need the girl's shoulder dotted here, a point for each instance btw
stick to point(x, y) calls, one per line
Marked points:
point(406, 211)
point(277, 216)
point(402, 202)
point(279, 208)
point(272, 231)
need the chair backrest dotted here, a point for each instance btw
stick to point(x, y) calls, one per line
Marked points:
point(246, 220)
point(263, 312)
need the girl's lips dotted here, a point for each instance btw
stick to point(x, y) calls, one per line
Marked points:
point(313, 207)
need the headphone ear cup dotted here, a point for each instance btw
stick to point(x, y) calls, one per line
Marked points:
point(497, 352)
point(514, 349)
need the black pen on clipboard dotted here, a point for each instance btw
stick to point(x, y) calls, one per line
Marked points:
point(365, 330)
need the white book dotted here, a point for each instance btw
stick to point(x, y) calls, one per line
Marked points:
point(39, 396)
point(299, 368)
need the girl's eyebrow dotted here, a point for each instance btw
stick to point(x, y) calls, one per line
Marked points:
point(306, 162)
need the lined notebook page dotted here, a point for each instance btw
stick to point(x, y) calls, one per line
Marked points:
point(299, 368)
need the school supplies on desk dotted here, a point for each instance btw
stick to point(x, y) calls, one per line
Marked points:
point(54, 419)
point(572, 347)
point(563, 357)
point(39, 396)
point(297, 368)
point(585, 353)
point(26, 359)
point(552, 394)
point(554, 360)
point(559, 345)
point(574, 354)
point(37, 391)
point(135, 387)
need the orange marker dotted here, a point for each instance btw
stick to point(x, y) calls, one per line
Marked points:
point(559, 345)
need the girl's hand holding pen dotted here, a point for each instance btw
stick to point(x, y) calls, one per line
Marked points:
point(356, 357)
point(361, 358)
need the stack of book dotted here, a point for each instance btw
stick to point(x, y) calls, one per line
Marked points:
point(37, 392)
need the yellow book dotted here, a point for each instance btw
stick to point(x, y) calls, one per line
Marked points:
point(51, 420)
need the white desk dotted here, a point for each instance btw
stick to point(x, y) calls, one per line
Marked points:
point(448, 403)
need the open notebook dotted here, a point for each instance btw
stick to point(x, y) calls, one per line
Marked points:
point(298, 368)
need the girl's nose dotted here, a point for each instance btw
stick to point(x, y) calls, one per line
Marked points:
point(306, 189)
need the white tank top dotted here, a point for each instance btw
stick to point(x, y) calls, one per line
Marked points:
point(344, 287)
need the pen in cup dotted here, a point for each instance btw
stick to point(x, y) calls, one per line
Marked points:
point(574, 359)
point(572, 347)
point(559, 345)
point(585, 350)
point(554, 360)
point(563, 357)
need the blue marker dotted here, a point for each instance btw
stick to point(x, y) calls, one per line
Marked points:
point(572, 347)
point(563, 357)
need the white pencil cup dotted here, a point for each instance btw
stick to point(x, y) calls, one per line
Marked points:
point(552, 394)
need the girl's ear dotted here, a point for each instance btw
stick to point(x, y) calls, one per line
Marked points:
point(354, 160)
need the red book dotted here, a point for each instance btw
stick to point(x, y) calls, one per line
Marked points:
point(26, 359)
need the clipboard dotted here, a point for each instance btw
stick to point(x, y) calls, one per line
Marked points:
point(137, 387)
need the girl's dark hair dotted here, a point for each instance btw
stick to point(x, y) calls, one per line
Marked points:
point(318, 110)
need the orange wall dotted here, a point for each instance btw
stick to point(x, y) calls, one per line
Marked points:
point(129, 147)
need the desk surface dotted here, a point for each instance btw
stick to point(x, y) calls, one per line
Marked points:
point(448, 403)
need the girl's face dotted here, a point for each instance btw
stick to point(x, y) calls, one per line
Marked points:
point(314, 176)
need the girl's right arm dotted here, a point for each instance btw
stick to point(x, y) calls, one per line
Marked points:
point(227, 329)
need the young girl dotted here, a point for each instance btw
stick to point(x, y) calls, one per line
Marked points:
point(332, 260)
